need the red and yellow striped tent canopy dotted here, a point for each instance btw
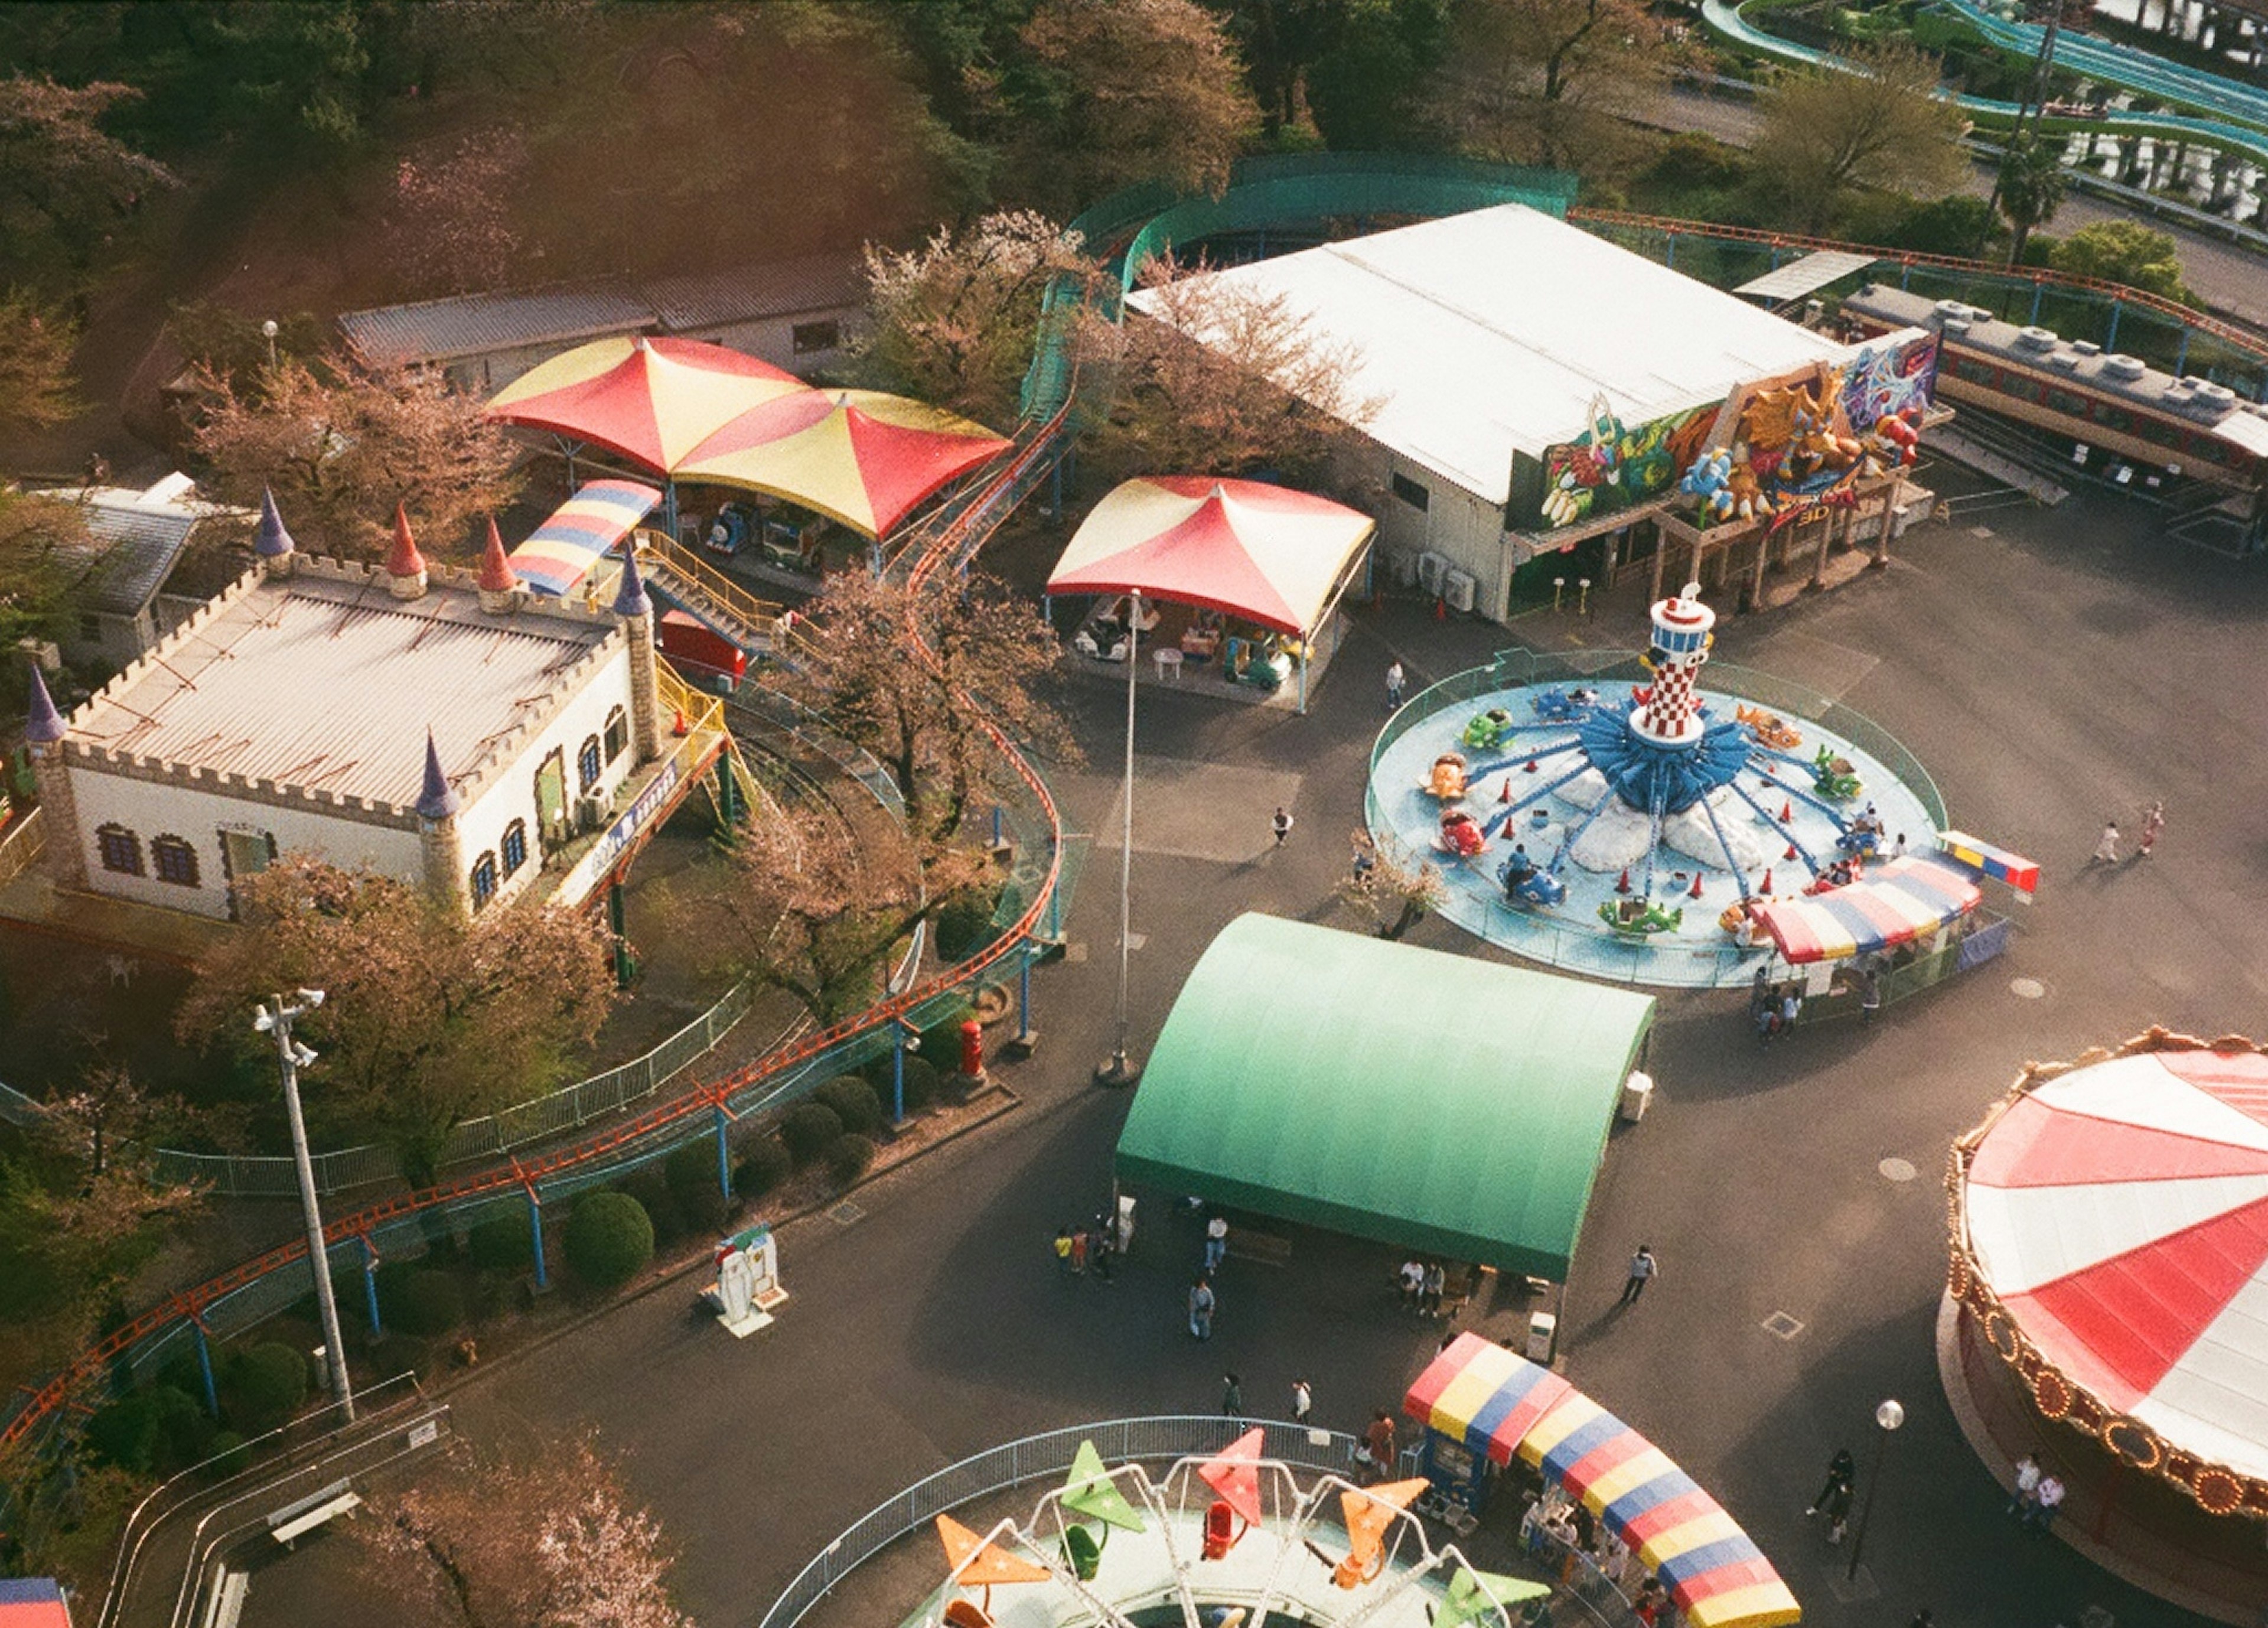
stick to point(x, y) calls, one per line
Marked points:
point(1497, 1403)
point(1896, 900)
point(652, 399)
point(857, 456)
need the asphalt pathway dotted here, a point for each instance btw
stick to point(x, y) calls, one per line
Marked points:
point(2051, 668)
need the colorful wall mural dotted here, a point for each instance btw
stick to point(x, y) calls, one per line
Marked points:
point(1611, 468)
point(1894, 377)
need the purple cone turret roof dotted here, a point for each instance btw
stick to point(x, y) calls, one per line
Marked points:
point(439, 799)
point(272, 542)
point(631, 599)
point(44, 725)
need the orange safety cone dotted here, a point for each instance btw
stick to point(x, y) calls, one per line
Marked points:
point(1786, 812)
point(1623, 885)
point(1771, 770)
point(1790, 854)
point(1694, 892)
point(1440, 608)
point(1531, 766)
point(1764, 888)
point(680, 728)
point(1506, 795)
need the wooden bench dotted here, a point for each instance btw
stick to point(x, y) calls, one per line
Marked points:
point(224, 1606)
point(302, 1516)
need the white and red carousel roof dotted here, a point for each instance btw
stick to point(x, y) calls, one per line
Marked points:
point(2119, 1212)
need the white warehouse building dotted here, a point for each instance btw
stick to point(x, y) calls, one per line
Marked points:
point(1500, 347)
point(444, 727)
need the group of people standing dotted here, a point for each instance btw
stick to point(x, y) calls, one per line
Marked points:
point(1773, 1008)
point(1423, 1283)
point(2037, 1497)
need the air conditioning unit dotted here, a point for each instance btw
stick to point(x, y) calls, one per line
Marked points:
point(1457, 587)
point(1431, 568)
point(590, 812)
point(1401, 566)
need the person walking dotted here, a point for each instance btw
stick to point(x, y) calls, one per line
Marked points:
point(1232, 1397)
point(1437, 1280)
point(2027, 1488)
point(1898, 848)
point(1394, 679)
point(1790, 1008)
point(1283, 824)
point(1760, 995)
point(1837, 1507)
point(1098, 1249)
point(1215, 1242)
point(1378, 1441)
point(1201, 1309)
point(2045, 1503)
point(1643, 1269)
point(1062, 1251)
point(1080, 1245)
point(1365, 861)
point(1303, 1402)
point(1870, 994)
point(2106, 851)
point(2154, 821)
point(1842, 1470)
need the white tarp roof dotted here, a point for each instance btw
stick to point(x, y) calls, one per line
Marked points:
point(1493, 331)
point(1806, 275)
point(2246, 429)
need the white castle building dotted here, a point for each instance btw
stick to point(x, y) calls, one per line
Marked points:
point(441, 726)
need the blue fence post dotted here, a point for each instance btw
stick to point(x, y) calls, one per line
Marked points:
point(1670, 260)
point(723, 1154)
point(2181, 356)
point(2110, 339)
point(996, 826)
point(2038, 289)
point(204, 1365)
point(536, 1233)
point(370, 1286)
point(1905, 276)
point(898, 1071)
point(1024, 997)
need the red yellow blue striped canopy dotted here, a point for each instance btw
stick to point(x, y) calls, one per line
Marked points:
point(1999, 864)
point(1497, 1403)
point(1897, 900)
point(560, 553)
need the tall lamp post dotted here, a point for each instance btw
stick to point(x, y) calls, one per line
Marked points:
point(1888, 1416)
point(1119, 1070)
point(276, 1019)
point(269, 330)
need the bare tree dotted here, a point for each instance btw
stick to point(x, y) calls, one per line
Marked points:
point(1543, 81)
point(1874, 120)
point(452, 231)
point(340, 449)
point(433, 1019)
point(36, 365)
point(553, 1541)
point(1220, 377)
point(954, 321)
point(929, 720)
point(1409, 892)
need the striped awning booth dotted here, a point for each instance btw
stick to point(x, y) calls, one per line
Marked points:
point(1896, 900)
point(2002, 865)
point(560, 553)
point(1497, 1403)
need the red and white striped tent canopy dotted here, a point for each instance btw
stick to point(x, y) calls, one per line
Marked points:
point(2120, 1212)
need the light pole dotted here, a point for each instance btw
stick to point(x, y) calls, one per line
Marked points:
point(1118, 1071)
point(1888, 1416)
point(291, 1058)
point(269, 329)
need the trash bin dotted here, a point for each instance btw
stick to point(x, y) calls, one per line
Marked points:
point(1637, 1091)
point(1543, 1329)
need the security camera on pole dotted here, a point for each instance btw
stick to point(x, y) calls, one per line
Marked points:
point(276, 1020)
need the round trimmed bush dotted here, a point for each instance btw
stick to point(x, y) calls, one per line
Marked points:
point(856, 1103)
point(764, 1164)
point(608, 1238)
point(649, 1186)
point(503, 1243)
point(262, 1385)
point(923, 1082)
point(124, 1432)
point(965, 921)
point(809, 1129)
point(420, 1299)
point(228, 1454)
point(850, 1158)
point(692, 1175)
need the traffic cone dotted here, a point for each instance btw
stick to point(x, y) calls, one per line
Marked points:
point(1441, 609)
point(1506, 795)
point(1790, 854)
point(1764, 888)
point(1623, 885)
point(1772, 770)
point(1694, 892)
point(680, 728)
point(1786, 812)
point(1531, 767)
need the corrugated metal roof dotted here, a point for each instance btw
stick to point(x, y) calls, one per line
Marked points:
point(134, 539)
point(331, 685)
point(1806, 275)
point(1493, 332)
point(440, 331)
point(749, 293)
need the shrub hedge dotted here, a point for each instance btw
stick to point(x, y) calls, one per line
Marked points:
point(608, 1238)
point(856, 1103)
point(764, 1164)
point(262, 1385)
point(850, 1158)
point(809, 1129)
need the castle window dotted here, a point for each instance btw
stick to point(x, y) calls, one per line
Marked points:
point(484, 879)
point(174, 860)
point(120, 850)
point(515, 846)
point(587, 764)
point(618, 733)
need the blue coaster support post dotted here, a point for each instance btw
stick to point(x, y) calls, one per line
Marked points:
point(370, 1282)
point(723, 1149)
point(535, 1224)
point(204, 1363)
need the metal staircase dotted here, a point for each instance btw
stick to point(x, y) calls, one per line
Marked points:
point(707, 592)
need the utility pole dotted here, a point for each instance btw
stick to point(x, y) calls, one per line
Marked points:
point(291, 1058)
point(2034, 91)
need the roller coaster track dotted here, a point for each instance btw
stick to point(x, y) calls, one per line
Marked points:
point(1724, 20)
point(948, 545)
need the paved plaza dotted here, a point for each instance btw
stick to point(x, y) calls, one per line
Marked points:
point(2057, 668)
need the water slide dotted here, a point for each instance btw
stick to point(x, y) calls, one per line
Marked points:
point(1724, 20)
point(2192, 89)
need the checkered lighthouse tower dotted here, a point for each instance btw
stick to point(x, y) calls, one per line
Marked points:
point(1667, 711)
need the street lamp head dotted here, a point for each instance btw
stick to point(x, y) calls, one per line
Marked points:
point(314, 998)
point(301, 1057)
point(1891, 1414)
point(269, 327)
point(262, 1021)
